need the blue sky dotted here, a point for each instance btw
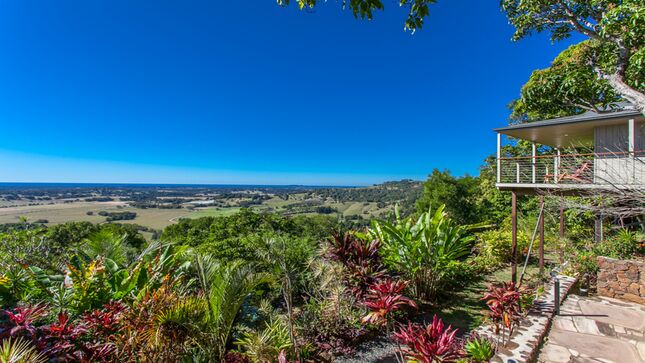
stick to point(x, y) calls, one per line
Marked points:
point(206, 91)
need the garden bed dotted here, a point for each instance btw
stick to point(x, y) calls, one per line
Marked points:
point(463, 309)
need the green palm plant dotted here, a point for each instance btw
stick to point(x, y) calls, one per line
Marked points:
point(225, 287)
point(19, 351)
point(287, 259)
point(105, 244)
point(265, 346)
point(422, 248)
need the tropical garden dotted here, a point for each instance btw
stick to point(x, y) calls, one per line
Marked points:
point(264, 288)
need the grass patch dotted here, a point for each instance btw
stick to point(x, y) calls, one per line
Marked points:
point(464, 309)
point(213, 212)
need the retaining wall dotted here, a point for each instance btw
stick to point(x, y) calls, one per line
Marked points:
point(622, 279)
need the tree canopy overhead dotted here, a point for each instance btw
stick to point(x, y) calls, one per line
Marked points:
point(364, 9)
point(607, 67)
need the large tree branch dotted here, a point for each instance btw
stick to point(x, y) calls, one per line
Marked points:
point(586, 29)
point(619, 85)
point(617, 79)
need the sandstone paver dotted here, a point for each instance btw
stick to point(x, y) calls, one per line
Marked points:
point(598, 330)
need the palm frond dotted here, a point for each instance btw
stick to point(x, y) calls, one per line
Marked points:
point(19, 351)
point(226, 287)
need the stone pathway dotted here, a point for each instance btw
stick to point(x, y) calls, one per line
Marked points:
point(596, 330)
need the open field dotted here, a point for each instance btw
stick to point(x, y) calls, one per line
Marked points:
point(159, 218)
point(63, 212)
point(159, 206)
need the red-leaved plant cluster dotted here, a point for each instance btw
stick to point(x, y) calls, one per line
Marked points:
point(505, 307)
point(384, 298)
point(361, 260)
point(65, 340)
point(430, 343)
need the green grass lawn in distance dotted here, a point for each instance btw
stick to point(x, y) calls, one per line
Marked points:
point(212, 212)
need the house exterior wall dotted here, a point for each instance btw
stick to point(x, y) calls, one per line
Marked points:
point(610, 139)
point(619, 168)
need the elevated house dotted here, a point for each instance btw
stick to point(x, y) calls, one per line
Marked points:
point(612, 156)
point(588, 153)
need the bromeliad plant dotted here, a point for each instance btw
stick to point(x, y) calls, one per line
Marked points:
point(479, 349)
point(428, 344)
point(265, 346)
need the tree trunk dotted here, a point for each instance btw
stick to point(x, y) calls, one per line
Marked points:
point(630, 94)
point(288, 299)
point(617, 79)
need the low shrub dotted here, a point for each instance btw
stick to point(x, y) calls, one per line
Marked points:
point(236, 357)
point(482, 264)
point(332, 326)
point(496, 245)
point(624, 245)
point(479, 349)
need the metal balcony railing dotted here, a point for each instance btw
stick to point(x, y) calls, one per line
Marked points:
point(618, 168)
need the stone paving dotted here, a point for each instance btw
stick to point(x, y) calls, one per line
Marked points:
point(596, 330)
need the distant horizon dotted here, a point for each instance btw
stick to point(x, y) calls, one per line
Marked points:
point(216, 185)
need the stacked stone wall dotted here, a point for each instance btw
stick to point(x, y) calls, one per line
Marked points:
point(622, 279)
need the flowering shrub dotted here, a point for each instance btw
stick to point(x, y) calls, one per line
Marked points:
point(384, 298)
point(429, 344)
point(585, 263)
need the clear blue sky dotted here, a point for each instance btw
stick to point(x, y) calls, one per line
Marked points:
point(205, 91)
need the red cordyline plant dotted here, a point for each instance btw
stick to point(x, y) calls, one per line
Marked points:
point(60, 339)
point(384, 298)
point(22, 320)
point(505, 307)
point(63, 340)
point(67, 341)
point(105, 322)
point(429, 344)
point(360, 258)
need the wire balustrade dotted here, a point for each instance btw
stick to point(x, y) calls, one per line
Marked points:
point(616, 168)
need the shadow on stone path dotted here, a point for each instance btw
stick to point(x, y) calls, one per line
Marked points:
point(596, 329)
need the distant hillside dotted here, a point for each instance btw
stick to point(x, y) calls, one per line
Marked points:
point(404, 193)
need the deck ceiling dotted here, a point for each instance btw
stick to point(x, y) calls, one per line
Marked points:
point(566, 132)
